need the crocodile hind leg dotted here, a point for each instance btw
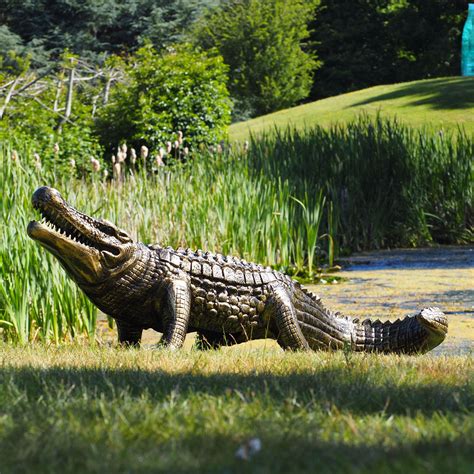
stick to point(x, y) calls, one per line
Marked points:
point(280, 309)
point(176, 313)
point(129, 334)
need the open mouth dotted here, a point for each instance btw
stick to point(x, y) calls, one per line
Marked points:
point(56, 223)
point(61, 223)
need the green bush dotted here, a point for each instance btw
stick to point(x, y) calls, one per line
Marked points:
point(263, 43)
point(181, 89)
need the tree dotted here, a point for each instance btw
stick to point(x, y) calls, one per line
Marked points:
point(427, 35)
point(369, 42)
point(90, 28)
point(263, 42)
point(352, 42)
point(180, 90)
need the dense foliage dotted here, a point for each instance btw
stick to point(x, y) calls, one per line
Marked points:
point(44, 111)
point(91, 28)
point(273, 63)
point(182, 89)
point(389, 185)
point(369, 42)
point(87, 109)
point(262, 42)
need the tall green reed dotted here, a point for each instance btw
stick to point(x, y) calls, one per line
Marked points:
point(386, 183)
point(217, 202)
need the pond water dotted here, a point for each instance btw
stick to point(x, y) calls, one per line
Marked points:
point(391, 284)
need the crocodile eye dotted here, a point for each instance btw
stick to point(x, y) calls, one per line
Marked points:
point(123, 236)
point(105, 222)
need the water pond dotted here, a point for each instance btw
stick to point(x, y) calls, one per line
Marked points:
point(390, 284)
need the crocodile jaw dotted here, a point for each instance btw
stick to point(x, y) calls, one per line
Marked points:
point(90, 250)
point(83, 263)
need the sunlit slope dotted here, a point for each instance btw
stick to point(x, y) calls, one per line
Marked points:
point(442, 103)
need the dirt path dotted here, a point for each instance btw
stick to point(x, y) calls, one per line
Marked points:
point(391, 284)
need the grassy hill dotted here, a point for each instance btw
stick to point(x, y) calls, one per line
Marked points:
point(442, 103)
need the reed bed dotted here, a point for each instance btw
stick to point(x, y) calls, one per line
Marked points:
point(389, 185)
point(216, 203)
point(290, 201)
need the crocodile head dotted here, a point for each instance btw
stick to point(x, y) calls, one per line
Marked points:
point(91, 250)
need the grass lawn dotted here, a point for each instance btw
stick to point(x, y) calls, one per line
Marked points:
point(78, 408)
point(443, 103)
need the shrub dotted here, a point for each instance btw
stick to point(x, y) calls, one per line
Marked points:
point(263, 43)
point(37, 120)
point(181, 89)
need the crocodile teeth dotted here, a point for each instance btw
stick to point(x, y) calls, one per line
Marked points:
point(62, 227)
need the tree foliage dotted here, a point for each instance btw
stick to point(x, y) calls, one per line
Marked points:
point(92, 27)
point(180, 90)
point(368, 42)
point(427, 37)
point(279, 52)
point(263, 42)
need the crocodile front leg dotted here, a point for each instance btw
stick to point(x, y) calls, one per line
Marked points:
point(176, 312)
point(128, 334)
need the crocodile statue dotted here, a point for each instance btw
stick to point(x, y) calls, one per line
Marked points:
point(224, 299)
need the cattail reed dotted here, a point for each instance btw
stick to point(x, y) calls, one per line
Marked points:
point(133, 156)
point(37, 161)
point(95, 165)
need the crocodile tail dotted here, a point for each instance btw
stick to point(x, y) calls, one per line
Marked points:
point(324, 329)
point(411, 335)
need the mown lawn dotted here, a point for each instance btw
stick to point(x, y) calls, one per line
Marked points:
point(77, 408)
point(440, 104)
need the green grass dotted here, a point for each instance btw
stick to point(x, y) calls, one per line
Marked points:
point(88, 409)
point(442, 104)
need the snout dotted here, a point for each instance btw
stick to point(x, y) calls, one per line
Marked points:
point(46, 195)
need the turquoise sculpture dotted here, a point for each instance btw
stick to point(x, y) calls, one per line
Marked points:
point(467, 51)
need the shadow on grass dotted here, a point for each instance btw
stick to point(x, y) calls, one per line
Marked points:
point(460, 296)
point(438, 94)
point(215, 453)
point(345, 388)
